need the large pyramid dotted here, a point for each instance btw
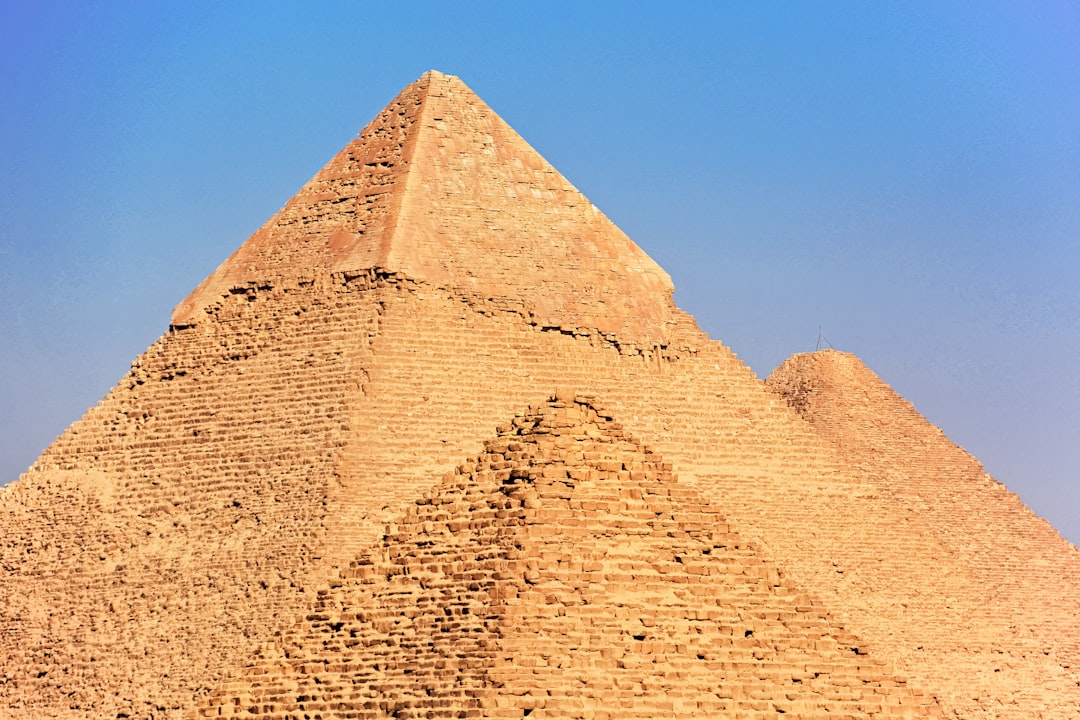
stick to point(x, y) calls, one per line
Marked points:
point(435, 442)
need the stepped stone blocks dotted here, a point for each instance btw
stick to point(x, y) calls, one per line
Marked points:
point(435, 278)
point(565, 573)
point(182, 515)
point(1027, 571)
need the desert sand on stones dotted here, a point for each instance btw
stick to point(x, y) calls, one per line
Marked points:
point(435, 442)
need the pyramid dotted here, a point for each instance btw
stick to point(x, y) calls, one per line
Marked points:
point(1001, 543)
point(565, 573)
point(217, 517)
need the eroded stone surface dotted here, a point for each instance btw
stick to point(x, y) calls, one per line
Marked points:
point(189, 521)
point(1027, 633)
point(439, 188)
point(565, 573)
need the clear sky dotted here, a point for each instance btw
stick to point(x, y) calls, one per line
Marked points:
point(903, 176)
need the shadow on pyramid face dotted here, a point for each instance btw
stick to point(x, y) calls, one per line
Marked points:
point(565, 572)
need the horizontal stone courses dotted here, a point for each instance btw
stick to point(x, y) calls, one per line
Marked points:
point(646, 650)
point(258, 499)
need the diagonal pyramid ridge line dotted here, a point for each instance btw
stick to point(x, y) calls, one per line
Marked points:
point(924, 472)
point(440, 189)
point(343, 216)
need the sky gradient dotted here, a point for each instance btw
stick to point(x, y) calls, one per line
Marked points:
point(901, 180)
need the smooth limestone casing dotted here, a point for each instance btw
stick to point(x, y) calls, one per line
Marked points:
point(440, 189)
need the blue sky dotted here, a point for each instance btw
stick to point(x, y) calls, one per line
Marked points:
point(904, 176)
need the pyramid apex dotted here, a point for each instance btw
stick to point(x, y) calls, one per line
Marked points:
point(819, 361)
point(830, 356)
point(827, 366)
point(440, 189)
point(435, 74)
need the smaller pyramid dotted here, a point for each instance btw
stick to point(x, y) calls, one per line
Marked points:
point(986, 530)
point(566, 573)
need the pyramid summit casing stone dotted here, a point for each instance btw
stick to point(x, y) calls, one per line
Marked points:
point(299, 476)
point(440, 189)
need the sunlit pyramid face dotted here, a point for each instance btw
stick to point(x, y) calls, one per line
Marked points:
point(436, 442)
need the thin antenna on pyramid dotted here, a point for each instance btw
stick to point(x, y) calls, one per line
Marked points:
point(821, 337)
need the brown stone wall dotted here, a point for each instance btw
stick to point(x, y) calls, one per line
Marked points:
point(182, 518)
point(888, 571)
point(1027, 573)
point(564, 573)
point(328, 408)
